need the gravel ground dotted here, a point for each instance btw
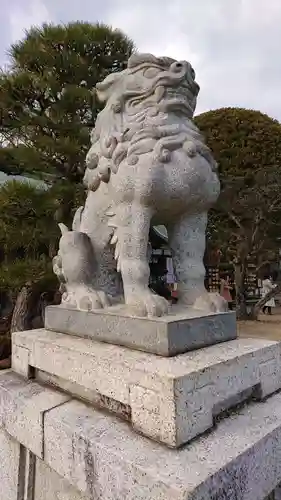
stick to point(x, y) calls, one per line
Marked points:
point(268, 327)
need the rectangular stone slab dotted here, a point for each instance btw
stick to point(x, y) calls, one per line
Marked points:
point(101, 457)
point(10, 461)
point(239, 460)
point(181, 331)
point(171, 400)
point(25, 422)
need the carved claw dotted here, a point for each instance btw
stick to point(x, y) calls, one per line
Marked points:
point(84, 298)
point(93, 300)
point(211, 302)
point(147, 303)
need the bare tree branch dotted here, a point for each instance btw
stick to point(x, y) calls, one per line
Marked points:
point(235, 220)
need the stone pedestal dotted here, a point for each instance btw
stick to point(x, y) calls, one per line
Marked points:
point(78, 453)
point(82, 419)
point(171, 400)
point(182, 330)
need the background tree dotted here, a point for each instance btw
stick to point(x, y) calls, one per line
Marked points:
point(48, 107)
point(47, 98)
point(246, 222)
point(27, 224)
point(28, 234)
point(28, 240)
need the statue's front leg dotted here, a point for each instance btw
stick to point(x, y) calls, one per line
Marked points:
point(187, 241)
point(131, 252)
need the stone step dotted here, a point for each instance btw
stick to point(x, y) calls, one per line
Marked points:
point(171, 400)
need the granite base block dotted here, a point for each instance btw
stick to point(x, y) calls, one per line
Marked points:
point(169, 399)
point(49, 485)
point(89, 455)
point(25, 422)
point(10, 461)
point(23, 476)
point(181, 331)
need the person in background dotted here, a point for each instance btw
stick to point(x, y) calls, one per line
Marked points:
point(267, 286)
point(225, 288)
point(173, 294)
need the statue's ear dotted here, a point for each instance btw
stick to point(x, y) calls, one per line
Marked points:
point(104, 89)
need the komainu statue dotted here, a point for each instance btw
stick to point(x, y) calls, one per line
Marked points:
point(147, 164)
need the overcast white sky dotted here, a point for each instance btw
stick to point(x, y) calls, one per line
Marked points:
point(234, 45)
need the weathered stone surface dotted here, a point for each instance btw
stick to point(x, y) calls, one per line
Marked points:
point(9, 466)
point(28, 473)
point(89, 455)
point(23, 477)
point(86, 394)
point(20, 360)
point(184, 329)
point(22, 409)
point(50, 486)
point(168, 399)
point(101, 456)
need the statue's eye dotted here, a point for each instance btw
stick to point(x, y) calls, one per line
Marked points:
point(151, 72)
point(177, 67)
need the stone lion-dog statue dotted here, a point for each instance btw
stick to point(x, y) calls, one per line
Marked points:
point(147, 165)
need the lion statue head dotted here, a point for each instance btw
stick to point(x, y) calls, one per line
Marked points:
point(136, 117)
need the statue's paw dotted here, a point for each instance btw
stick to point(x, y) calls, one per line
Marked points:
point(96, 299)
point(146, 303)
point(85, 298)
point(211, 302)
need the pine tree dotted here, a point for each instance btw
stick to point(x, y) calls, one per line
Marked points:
point(47, 100)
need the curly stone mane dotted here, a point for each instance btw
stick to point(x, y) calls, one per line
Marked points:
point(135, 119)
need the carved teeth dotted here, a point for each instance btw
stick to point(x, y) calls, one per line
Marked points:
point(114, 239)
point(111, 223)
point(117, 253)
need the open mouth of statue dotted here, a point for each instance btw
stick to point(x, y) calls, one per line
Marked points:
point(181, 93)
point(178, 99)
point(186, 89)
